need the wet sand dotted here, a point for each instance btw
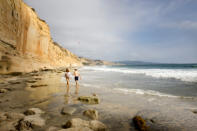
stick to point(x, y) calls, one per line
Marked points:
point(46, 91)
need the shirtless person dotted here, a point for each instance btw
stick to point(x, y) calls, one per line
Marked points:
point(76, 75)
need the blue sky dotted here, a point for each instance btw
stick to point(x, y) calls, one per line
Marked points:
point(144, 30)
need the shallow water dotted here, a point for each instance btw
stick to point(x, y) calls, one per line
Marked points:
point(159, 82)
point(122, 97)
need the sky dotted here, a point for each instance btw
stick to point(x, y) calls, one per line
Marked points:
point(143, 30)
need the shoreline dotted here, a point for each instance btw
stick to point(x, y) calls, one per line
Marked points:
point(116, 110)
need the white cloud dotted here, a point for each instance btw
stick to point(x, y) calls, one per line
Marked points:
point(100, 29)
point(187, 24)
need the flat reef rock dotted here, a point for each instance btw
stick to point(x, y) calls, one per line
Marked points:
point(89, 99)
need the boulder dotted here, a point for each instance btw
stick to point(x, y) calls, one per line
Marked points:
point(89, 99)
point(3, 90)
point(68, 110)
point(24, 126)
point(29, 112)
point(3, 117)
point(14, 116)
point(34, 120)
point(140, 123)
point(77, 123)
point(91, 113)
point(97, 126)
point(33, 111)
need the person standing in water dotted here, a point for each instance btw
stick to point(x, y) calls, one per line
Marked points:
point(76, 75)
point(67, 76)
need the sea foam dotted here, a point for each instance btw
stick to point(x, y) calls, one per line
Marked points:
point(188, 75)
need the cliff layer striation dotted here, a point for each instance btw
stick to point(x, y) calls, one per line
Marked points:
point(25, 41)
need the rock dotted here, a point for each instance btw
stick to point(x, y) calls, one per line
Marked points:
point(30, 81)
point(97, 126)
point(52, 128)
point(38, 78)
point(77, 123)
point(15, 73)
point(8, 126)
point(46, 69)
point(94, 94)
point(24, 126)
point(77, 129)
point(3, 90)
point(33, 111)
point(34, 86)
point(14, 116)
point(3, 117)
point(91, 113)
point(194, 111)
point(68, 110)
point(140, 123)
point(89, 99)
point(34, 120)
point(14, 82)
point(29, 112)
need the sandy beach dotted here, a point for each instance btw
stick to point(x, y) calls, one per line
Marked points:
point(46, 91)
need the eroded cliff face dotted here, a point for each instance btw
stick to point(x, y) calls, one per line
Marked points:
point(25, 41)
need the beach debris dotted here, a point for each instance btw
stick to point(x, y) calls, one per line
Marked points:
point(140, 123)
point(35, 86)
point(68, 110)
point(79, 123)
point(89, 99)
point(33, 111)
point(3, 90)
point(91, 113)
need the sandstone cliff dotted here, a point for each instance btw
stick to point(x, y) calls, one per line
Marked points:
point(25, 41)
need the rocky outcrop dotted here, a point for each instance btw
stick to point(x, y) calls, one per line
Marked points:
point(89, 99)
point(77, 123)
point(25, 41)
point(90, 62)
point(140, 123)
point(91, 113)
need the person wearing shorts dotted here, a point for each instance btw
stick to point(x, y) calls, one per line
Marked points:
point(76, 76)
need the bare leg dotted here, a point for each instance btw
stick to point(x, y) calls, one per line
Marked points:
point(77, 87)
point(67, 86)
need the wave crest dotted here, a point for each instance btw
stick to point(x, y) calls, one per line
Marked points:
point(188, 75)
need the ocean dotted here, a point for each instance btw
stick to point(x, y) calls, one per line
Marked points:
point(163, 80)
